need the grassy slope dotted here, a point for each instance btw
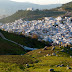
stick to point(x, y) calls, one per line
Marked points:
point(9, 48)
point(46, 63)
point(43, 64)
point(67, 6)
point(27, 41)
point(14, 63)
point(30, 15)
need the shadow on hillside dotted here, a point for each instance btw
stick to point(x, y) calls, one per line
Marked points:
point(24, 40)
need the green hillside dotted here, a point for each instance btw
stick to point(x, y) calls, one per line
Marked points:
point(31, 15)
point(38, 14)
point(47, 62)
point(67, 6)
point(26, 41)
point(7, 48)
point(38, 61)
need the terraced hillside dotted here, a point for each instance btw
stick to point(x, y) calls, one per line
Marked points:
point(31, 15)
point(40, 60)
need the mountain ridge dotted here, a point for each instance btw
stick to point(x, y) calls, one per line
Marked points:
point(10, 7)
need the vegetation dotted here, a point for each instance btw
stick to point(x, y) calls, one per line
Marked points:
point(47, 62)
point(14, 63)
point(8, 48)
point(38, 14)
point(37, 59)
point(26, 41)
point(67, 6)
point(38, 62)
point(31, 15)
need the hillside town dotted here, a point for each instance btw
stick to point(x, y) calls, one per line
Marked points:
point(57, 30)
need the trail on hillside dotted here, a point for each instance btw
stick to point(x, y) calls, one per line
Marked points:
point(26, 48)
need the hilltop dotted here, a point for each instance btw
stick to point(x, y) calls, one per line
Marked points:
point(67, 6)
point(31, 15)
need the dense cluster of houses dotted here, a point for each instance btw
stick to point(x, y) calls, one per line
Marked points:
point(58, 30)
point(29, 9)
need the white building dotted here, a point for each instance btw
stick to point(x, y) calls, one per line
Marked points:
point(30, 9)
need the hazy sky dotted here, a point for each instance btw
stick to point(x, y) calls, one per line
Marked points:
point(44, 1)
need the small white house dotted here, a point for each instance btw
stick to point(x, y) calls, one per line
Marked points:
point(59, 18)
point(30, 9)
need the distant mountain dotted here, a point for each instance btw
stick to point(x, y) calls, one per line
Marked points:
point(10, 7)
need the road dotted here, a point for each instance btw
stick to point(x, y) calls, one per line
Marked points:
point(25, 47)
